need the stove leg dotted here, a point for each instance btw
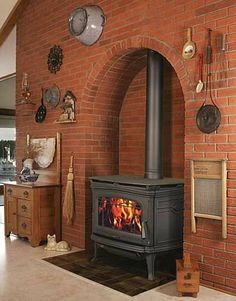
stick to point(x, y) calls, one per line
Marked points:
point(150, 261)
point(95, 255)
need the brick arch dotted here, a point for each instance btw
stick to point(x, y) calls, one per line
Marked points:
point(101, 101)
point(124, 48)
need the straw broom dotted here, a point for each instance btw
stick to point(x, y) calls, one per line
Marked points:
point(68, 205)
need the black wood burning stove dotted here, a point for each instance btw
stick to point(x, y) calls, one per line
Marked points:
point(141, 216)
point(136, 215)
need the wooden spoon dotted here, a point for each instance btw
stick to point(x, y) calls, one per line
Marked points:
point(189, 48)
point(200, 85)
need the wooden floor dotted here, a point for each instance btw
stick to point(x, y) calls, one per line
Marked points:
point(119, 273)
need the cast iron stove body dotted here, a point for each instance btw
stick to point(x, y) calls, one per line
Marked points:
point(137, 216)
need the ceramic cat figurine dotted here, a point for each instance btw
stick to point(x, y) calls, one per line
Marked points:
point(52, 245)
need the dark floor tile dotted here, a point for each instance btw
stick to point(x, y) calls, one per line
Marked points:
point(122, 274)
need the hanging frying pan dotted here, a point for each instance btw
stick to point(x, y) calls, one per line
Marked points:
point(208, 116)
point(41, 112)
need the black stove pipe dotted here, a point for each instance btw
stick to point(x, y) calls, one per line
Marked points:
point(154, 95)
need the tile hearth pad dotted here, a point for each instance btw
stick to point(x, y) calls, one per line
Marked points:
point(122, 274)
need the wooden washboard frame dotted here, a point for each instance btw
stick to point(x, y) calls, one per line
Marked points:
point(208, 191)
point(50, 176)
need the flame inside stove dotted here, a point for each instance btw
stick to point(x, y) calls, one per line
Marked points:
point(121, 214)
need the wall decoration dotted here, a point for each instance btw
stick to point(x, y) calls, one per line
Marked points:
point(52, 96)
point(200, 85)
point(68, 107)
point(25, 89)
point(45, 155)
point(86, 24)
point(208, 192)
point(55, 57)
point(189, 48)
point(221, 61)
point(208, 116)
point(41, 112)
point(49, 150)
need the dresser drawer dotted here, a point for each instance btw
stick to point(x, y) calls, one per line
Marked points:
point(24, 226)
point(19, 192)
point(24, 208)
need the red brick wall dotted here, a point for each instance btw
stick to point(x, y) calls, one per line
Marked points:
point(98, 77)
point(132, 126)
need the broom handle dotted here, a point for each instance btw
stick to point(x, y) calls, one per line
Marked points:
point(71, 161)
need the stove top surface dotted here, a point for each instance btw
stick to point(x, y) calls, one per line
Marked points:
point(137, 180)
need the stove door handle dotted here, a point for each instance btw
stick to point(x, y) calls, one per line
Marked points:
point(144, 231)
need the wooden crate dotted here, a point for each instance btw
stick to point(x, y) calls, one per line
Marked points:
point(187, 276)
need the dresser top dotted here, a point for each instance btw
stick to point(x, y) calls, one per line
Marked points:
point(30, 185)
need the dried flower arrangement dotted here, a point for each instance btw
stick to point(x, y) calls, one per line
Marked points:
point(31, 151)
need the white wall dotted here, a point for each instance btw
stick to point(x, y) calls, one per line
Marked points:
point(5, 8)
point(8, 54)
point(7, 66)
point(8, 48)
point(7, 127)
point(8, 93)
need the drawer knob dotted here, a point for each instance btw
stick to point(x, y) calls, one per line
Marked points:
point(26, 194)
point(23, 207)
point(9, 191)
point(24, 225)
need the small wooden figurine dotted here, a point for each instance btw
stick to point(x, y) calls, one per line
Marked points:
point(68, 107)
point(187, 278)
point(52, 245)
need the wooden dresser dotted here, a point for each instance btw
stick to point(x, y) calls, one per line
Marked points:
point(32, 211)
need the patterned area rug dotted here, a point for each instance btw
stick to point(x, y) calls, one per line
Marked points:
point(119, 273)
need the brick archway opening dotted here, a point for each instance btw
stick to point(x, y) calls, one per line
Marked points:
point(116, 120)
